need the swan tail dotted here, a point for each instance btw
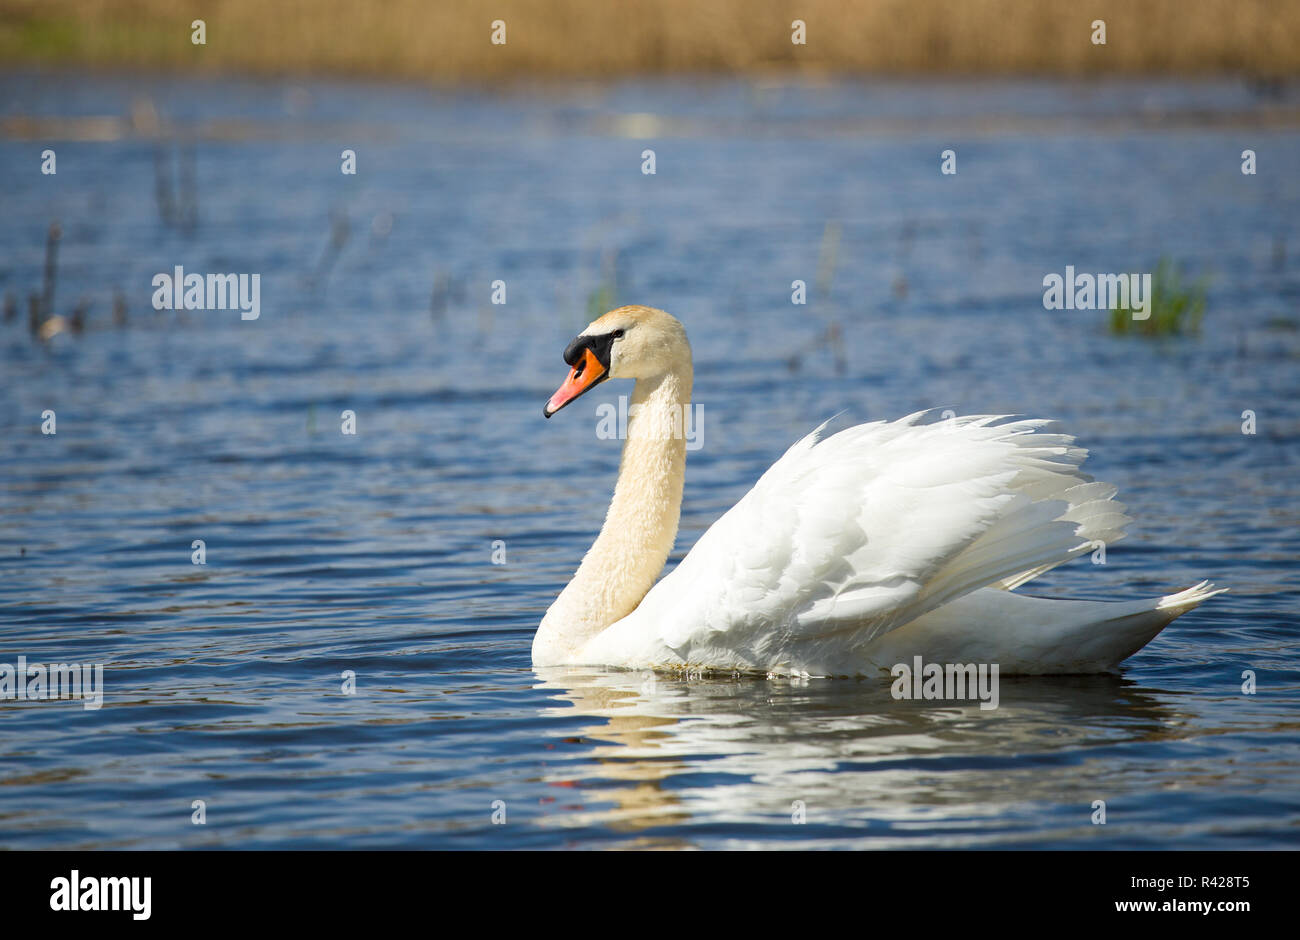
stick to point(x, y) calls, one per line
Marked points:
point(1027, 635)
point(1189, 599)
point(1112, 631)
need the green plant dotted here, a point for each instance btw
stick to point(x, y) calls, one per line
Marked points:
point(1175, 308)
point(600, 300)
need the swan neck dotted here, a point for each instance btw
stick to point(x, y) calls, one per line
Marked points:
point(640, 526)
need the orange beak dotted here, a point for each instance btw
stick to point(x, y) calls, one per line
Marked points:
point(587, 373)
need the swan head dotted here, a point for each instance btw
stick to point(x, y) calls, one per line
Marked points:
point(627, 343)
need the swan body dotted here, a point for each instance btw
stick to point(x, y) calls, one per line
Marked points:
point(854, 552)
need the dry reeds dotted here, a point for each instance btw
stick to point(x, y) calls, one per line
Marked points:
point(449, 40)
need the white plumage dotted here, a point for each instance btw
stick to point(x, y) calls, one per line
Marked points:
point(849, 538)
point(861, 549)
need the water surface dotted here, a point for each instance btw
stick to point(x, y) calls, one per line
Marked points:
point(374, 552)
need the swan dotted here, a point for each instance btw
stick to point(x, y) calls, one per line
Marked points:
point(854, 552)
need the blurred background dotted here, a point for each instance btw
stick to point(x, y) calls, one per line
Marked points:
point(525, 163)
point(447, 41)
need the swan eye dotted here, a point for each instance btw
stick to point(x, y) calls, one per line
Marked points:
point(617, 334)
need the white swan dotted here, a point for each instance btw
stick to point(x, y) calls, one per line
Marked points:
point(853, 552)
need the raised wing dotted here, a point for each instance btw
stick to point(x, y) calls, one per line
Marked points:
point(849, 536)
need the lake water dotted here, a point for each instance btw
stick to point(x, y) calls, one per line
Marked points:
point(373, 553)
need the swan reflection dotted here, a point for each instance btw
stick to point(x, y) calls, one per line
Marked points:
point(663, 750)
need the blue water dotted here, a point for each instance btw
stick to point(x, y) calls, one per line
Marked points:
point(374, 552)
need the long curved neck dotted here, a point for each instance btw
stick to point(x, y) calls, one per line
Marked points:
point(639, 528)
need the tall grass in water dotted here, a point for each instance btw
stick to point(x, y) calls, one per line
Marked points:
point(449, 39)
point(1174, 309)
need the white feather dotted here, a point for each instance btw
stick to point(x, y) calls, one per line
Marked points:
point(853, 552)
point(850, 538)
